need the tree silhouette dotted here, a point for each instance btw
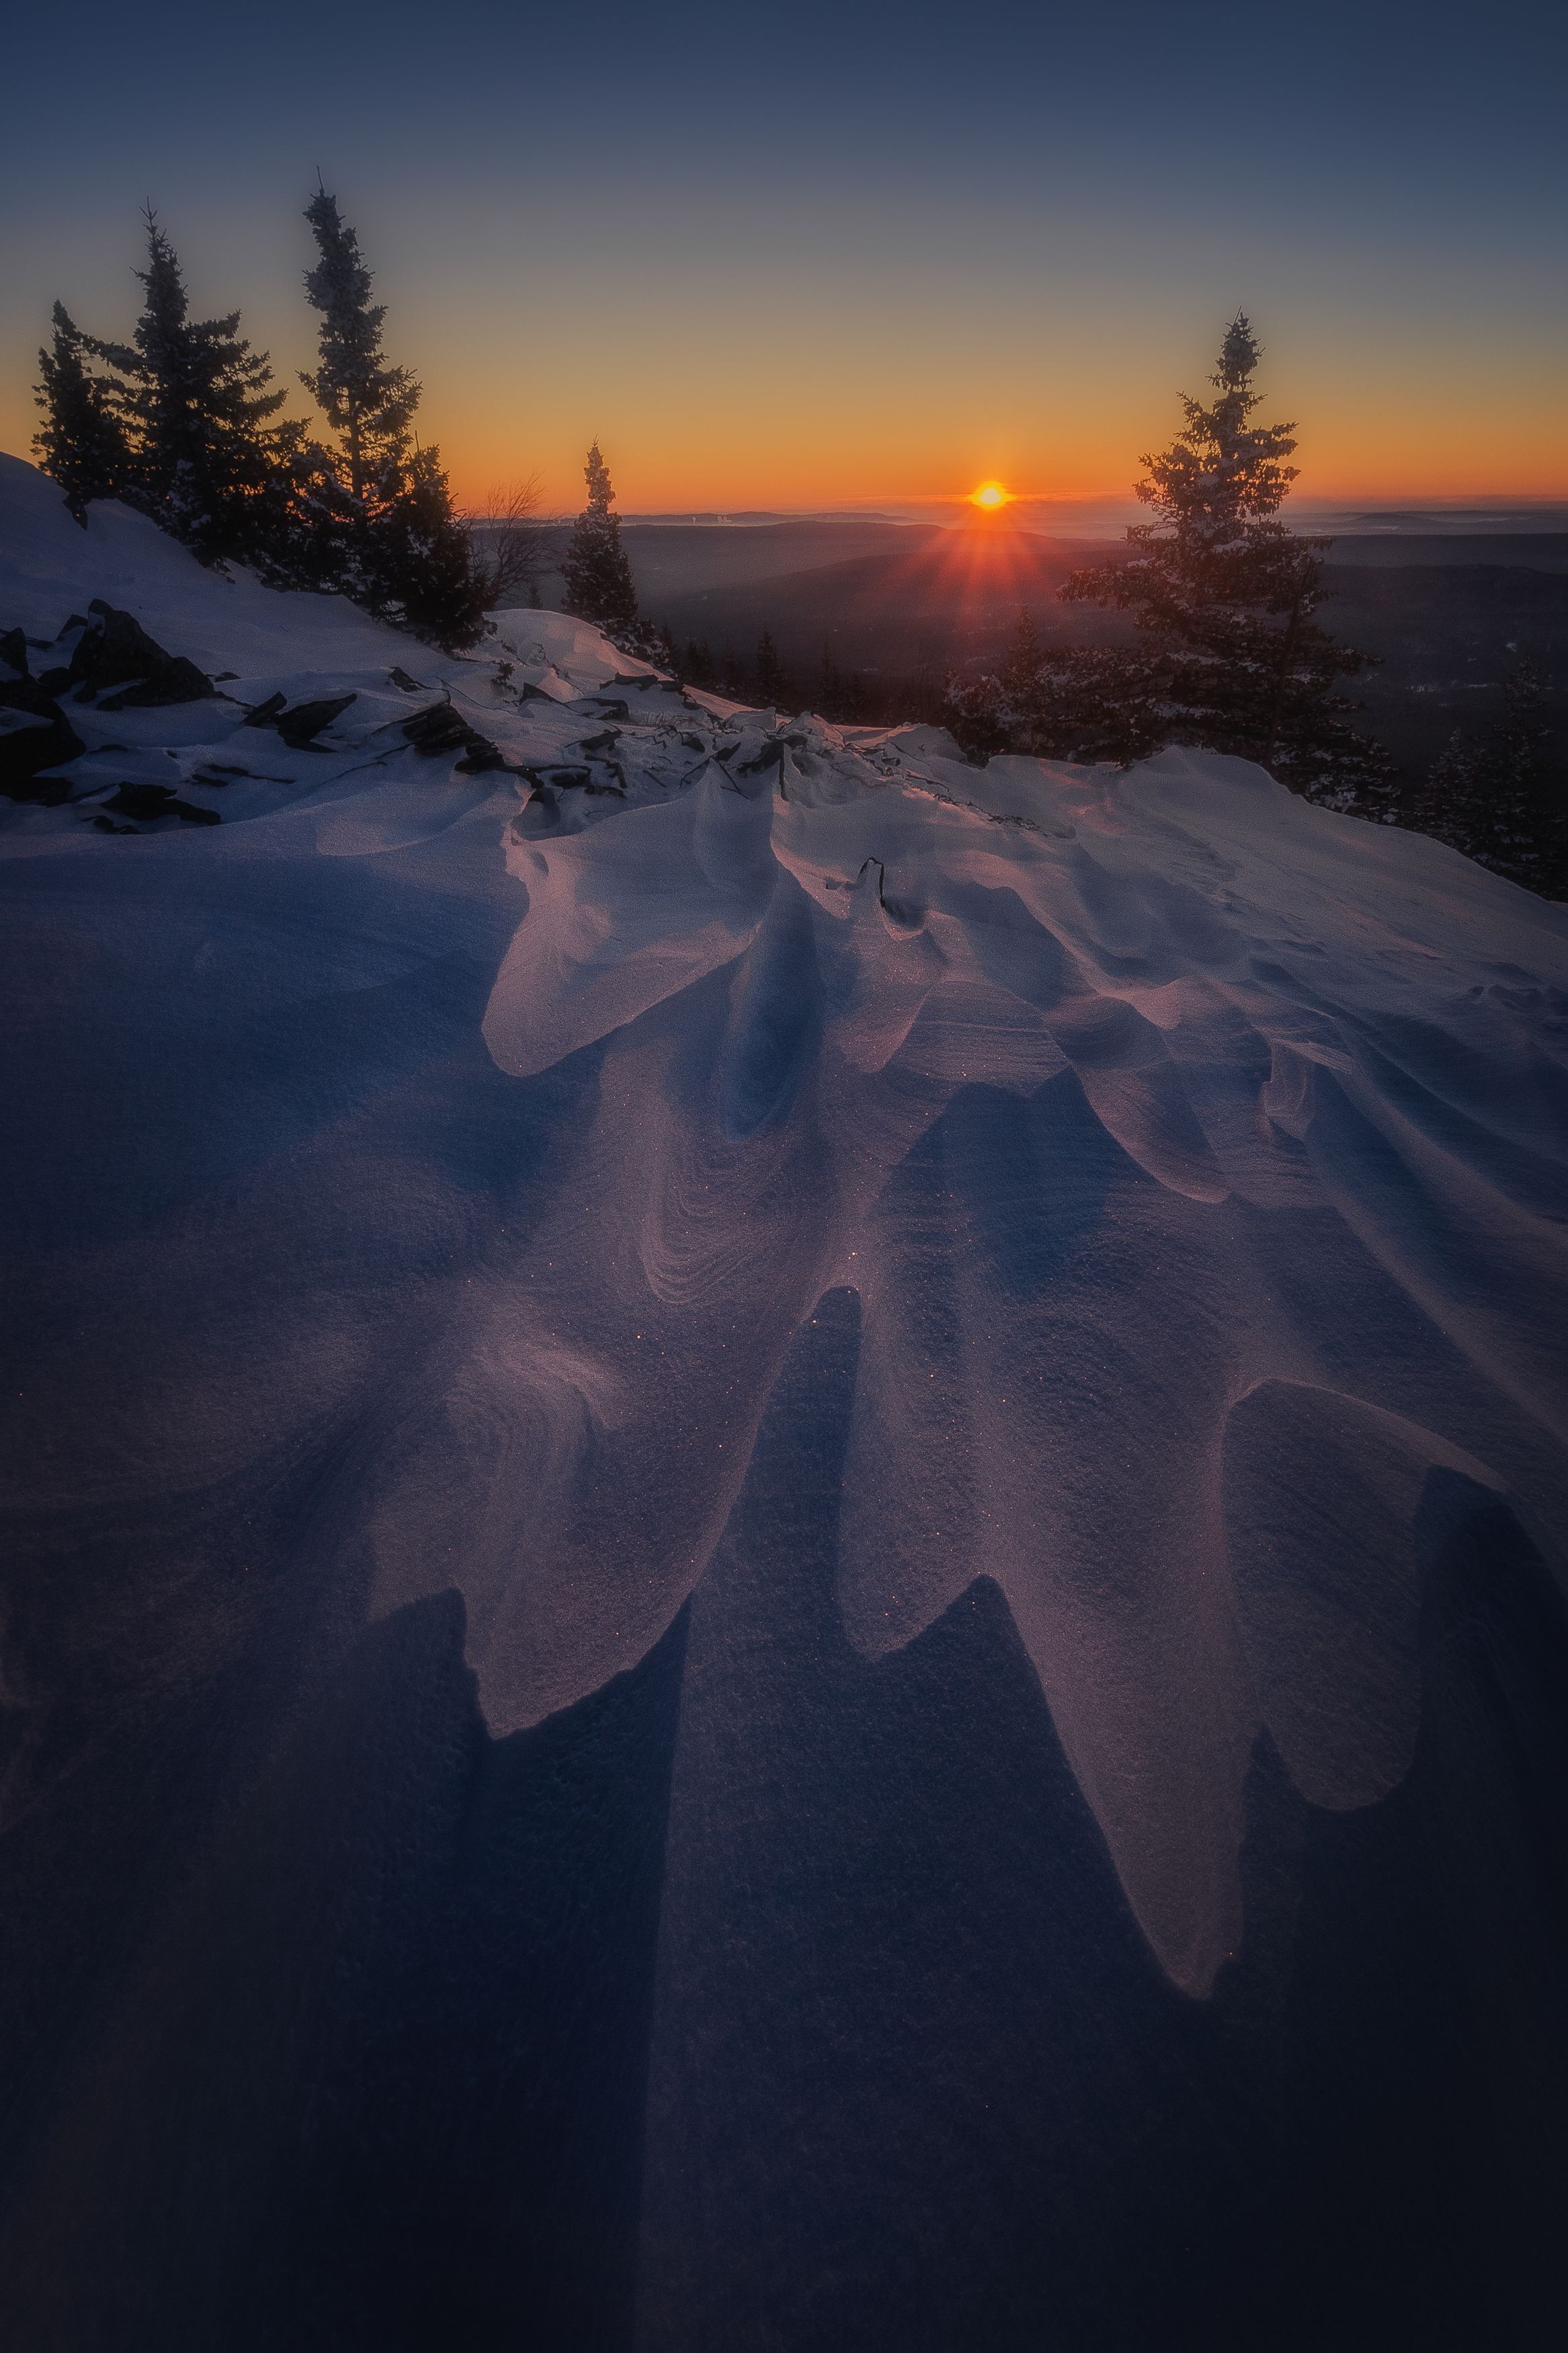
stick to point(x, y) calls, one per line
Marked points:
point(82, 441)
point(1223, 595)
point(598, 578)
point(383, 528)
point(204, 459)
point(368, 404)
point(770, 681)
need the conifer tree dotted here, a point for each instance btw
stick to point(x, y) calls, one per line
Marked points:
point(1063, 703)
point(1223, 595)
point(82, 441)
point(596, 573)
point(199, 402)
point(423, 570)
point(771, 681)
point(383, 525)
point(1025, 654)
point(368, 405)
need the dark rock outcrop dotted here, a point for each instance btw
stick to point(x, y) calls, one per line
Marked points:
point(35, 735)
point(114, 651)
point(440, 728)
point(147, 801)
point(299, 726)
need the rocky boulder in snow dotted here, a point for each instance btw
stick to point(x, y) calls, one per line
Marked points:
point(300, 723)
point(149, 802)
point(35, 733)
point(440, 728)
point(115, 652)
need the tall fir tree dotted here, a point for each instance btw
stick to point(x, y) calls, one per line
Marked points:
point(1224, 596)
point(598, 578)
point(383, 527)
point(82, 441)
point(199, 403)
point(367, 404)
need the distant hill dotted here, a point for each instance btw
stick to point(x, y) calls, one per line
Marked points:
point(937, 600)
point(1447, 635)
point(1448, 615)
point(1533, 550)
point(679, 559)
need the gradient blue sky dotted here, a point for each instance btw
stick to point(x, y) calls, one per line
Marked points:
point(836, 253)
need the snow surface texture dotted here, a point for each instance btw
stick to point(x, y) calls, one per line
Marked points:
point(488, 1141)
point(1197, 1157)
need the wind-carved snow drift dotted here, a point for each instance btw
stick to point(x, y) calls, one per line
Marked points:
point(1196, 1159)
point(1196, 1156)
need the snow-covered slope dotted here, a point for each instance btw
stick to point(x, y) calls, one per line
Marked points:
point(53, 567)
point(429, 1180)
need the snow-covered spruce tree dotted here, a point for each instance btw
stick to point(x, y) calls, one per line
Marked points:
point(598, 576)
point(1223, 595)
point(205, 458)
point(82, 441)
point(383, 528)
point(1061, 702)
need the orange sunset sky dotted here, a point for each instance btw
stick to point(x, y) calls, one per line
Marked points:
point(868, 262)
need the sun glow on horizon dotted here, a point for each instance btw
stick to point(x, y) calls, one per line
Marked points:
point(991, 495)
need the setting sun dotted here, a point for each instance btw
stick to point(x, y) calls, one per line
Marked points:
point(992, 494)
